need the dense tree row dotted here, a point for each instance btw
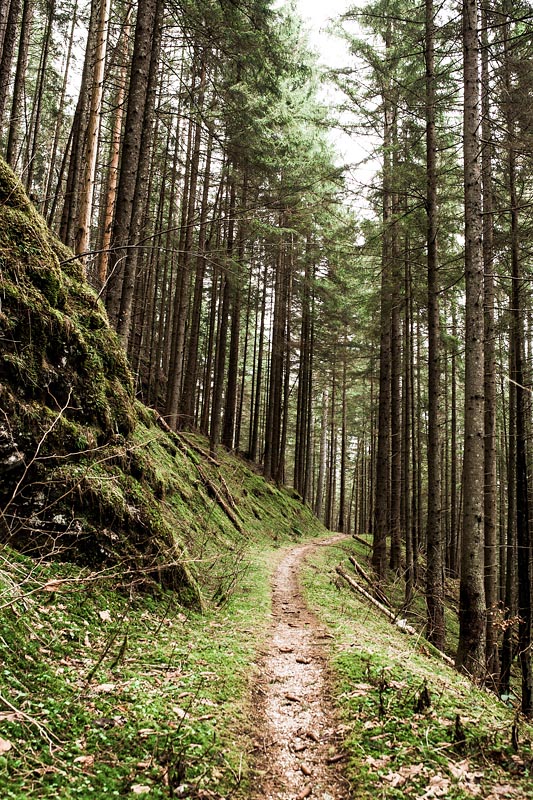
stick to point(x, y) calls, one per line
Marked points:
point(447, 97)
point(381, 365)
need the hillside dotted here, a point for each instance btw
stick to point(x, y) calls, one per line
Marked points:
point(122, 542)
point(90, 475)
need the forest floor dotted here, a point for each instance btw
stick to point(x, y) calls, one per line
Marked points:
point(298, 736)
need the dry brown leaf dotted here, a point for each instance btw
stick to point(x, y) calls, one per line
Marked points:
point(140, 788)
point(360, 690)
point(377, 763)
point(104, 688)
point(439, 786)
point(9, 716)
point(105, 615)
point(5, 745)
point(51, 586)
point(85, 761)
point(502, 790)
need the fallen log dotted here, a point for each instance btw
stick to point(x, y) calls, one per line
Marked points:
point(400, 623)
point(361, 540)
point(381, 596)
point(220, 500)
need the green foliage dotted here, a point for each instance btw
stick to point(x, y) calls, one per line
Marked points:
point(399, 746)
point(112, 690)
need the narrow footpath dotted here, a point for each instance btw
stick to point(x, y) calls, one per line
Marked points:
point(297, 752)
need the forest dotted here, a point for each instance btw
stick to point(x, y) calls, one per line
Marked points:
point(198, 270)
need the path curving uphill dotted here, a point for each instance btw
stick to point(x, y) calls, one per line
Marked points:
point(297, 739)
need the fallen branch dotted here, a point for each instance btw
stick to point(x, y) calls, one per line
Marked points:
point(43, 730)
point(381, 596)
point(220, 500)
point(182, 440)
point(361, 540)
point(400, 623)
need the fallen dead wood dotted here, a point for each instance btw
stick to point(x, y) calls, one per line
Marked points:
point(400, 623)
point(361, 540)
point(182, 440)
point(218, 497)
point(381, 596)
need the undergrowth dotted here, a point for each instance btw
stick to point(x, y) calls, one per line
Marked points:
point(413, 726)
point(111, 693)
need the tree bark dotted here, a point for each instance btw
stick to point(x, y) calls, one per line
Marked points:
point(435, 566)
point(472, 618)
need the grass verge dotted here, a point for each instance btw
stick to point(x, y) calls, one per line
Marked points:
point(413, 727)
point(110, 693)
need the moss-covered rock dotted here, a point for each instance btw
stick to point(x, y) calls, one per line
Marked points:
point(91, 475)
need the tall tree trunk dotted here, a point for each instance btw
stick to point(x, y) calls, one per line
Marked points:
point(230, 407)
point(381, 502)
point(143, 170)
point(131, 156)
point(12, 152)
point(321, 478)
point(435, 566)
point(472, 622)
point(523, 537)
point(343, 524)
point(116, 138)
point(191, 372)
point(8, 48)
point(82, 237)
point(35, 125)
point(491, 534)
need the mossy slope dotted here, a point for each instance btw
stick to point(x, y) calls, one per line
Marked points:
point(89, 474)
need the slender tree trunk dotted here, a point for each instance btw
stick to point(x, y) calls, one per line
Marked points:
point(490, 517)
point(191, 372)
point(130, 160)
point(381, 502)
point(342, 524)
point(82, 238)
point(143, 169)
point(321, 479)
point(8, 48)
point(116, 138)
point(35, 126)
point(472, 618)
point(435, 566)
point(523, 537)
point(12, 152)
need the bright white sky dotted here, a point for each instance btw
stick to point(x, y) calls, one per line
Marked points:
point(317, 14)
point(333, 52)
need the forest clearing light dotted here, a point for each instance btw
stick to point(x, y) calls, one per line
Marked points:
point(355, 151)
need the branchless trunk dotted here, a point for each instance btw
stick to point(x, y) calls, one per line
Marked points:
point(12, 152)
point(140, 194)
point(11, 13)
point(35, 123)
point(116, 138)
point(131, 155)
point(472, 622)
point(82, 237)
point(523, 539)
point(381, 502)
point(491, 533)
point(435, 567)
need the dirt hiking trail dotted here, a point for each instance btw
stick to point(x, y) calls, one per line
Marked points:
point(297, 751)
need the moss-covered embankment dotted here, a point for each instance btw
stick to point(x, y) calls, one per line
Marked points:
point(89, 474)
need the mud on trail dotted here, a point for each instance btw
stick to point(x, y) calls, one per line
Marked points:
point(297, 752)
